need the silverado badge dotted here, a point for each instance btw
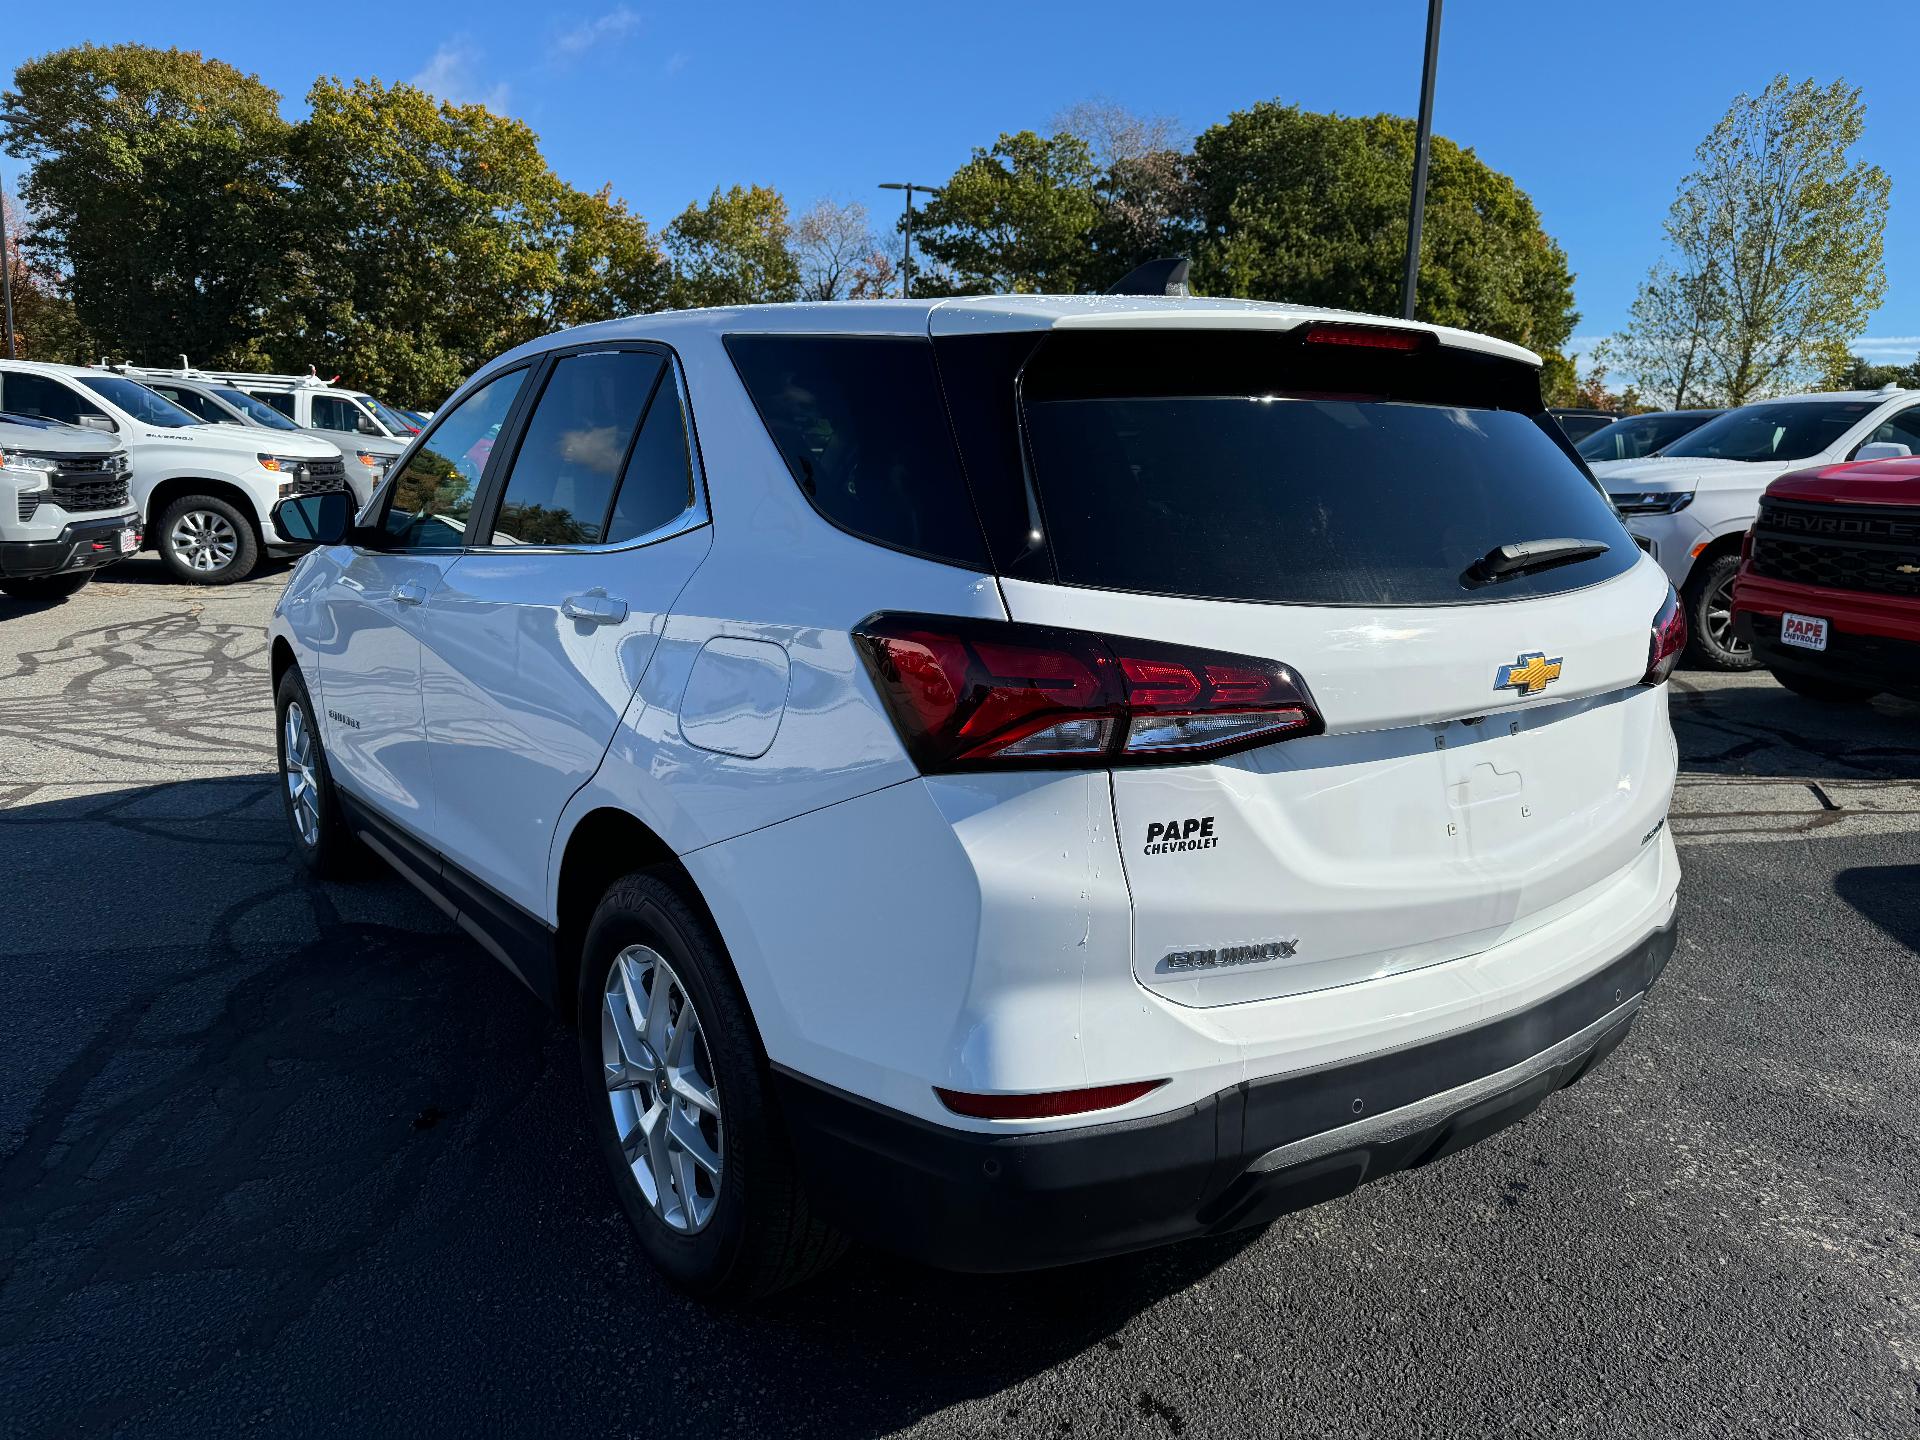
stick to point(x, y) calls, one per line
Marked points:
point(1530, 674)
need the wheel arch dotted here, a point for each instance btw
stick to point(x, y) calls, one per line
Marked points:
point(180, 486)
point(604, 844)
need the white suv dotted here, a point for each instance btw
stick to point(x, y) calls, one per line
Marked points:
point(65, 509)
point(1011, 779)
point(204, 492)
point(1690, 504)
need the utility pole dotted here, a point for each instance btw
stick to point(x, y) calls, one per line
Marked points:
point(6, 275)
point(906, 262)
point(1423, 142)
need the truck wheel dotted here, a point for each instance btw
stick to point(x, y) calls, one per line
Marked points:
point(681, 1102)
point(45, 587)
point(206, 541)
point(320, 835)
point(1709, 601)
point(1832, 692)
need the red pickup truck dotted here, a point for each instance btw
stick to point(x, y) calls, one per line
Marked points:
point(1828, 592)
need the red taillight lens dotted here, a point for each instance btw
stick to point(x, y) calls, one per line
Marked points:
point(1367, 337)
point(1044, 1106)
point(972, 694)
point(1669, 639)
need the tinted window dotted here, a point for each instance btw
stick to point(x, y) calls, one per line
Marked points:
point(1784, 430)
point(561, 489)
point(658, 484)
point(862, 426)
point(261, 414)
point(1306, 499)
point(330, 412)
point(1639, 436)
point(278, 399)
point(431, 501)
point(37, 395)
point(1901, 428)
point(193, 402)
point(146, 406)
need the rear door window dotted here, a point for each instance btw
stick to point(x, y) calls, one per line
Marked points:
point(565, 478)
point(1252, 470)
point(862, 427)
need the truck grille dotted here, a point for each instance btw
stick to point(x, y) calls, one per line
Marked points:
point(72, 491)
point(319, 476)
point(1870, 548)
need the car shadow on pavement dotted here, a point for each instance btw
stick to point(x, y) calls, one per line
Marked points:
point(1889, 896)
point(1749, 725)
point(303, 1152)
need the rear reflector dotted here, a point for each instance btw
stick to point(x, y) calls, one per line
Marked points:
point(1669, 639)
point(1368, 337)
point(1047, 1105)
point(976, 694)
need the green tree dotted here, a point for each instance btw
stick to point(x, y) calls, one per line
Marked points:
point(427, 237)
point(1312, 209)
point(1854, 372)
point(1016, 218)
point(1146, 196)
point(158, 186)
point(734, 250)
point(44, 325)
point(1778, 242)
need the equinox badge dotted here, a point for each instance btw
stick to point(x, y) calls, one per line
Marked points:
point(1530, 674)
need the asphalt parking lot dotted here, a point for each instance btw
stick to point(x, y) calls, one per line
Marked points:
point(282, 1158)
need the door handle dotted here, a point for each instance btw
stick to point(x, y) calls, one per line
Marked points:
point(596, 607)
point(409, 592)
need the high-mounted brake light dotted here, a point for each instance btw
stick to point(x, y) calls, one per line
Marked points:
point(1044, 1106)
point(1368, 337)
point(990, 694)
point(1669, 639)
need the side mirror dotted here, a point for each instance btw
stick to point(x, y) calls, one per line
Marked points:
point(98, 422)
point(1882, 450)
point(323, 519)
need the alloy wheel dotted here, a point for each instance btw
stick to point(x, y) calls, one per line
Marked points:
point(660, 1085)
point(303, 780)
point(205, 540)
point(1719, 617)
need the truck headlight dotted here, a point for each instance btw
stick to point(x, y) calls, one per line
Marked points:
point(34, 464)
point(376, 463)
point(1652, 502)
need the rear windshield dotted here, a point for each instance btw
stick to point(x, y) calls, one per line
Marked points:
point(1378, 486)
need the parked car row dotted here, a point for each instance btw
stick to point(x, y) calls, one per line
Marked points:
point(206, 454)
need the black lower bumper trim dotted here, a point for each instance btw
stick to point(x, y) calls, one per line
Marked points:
point(71, 550)
point(969, 1201)
point(1873, 662)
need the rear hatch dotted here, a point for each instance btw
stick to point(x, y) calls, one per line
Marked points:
point(1489, 760)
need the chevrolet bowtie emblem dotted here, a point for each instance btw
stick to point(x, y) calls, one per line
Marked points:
point(1908, 569)
point(1530, 674)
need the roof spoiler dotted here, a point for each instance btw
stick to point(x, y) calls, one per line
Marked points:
point(1157, 277)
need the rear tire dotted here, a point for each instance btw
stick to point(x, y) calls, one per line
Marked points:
point(45, 587)
point(1828, 692)
point(1709, 602)
point(681, 1102)
point(207, 541)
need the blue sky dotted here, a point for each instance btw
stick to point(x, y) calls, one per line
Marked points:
point(1594, 109)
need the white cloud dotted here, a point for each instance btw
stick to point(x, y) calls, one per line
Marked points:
point(678, 61)
point(1886, 347)
point(589, 35)
point(453, 74)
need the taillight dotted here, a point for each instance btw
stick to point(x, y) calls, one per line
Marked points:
point(991, 694)
point(1047, 1105)
point(1669, 639)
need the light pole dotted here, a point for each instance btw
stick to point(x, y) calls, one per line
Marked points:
point(1423, 141)
point(906, 261)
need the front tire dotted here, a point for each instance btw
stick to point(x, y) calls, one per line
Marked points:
point(1709, 600)
point(320, 835)
point(204, 540)
point(45, 587)
point(1828, 692)
point(681, 1103)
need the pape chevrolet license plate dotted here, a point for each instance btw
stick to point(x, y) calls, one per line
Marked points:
point(1809, 632)
point(128, 539)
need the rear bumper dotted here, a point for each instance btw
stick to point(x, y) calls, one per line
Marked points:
point(73, 549)
point(970, 1201)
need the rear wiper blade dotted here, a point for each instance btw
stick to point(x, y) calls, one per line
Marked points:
point(1523, 556)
